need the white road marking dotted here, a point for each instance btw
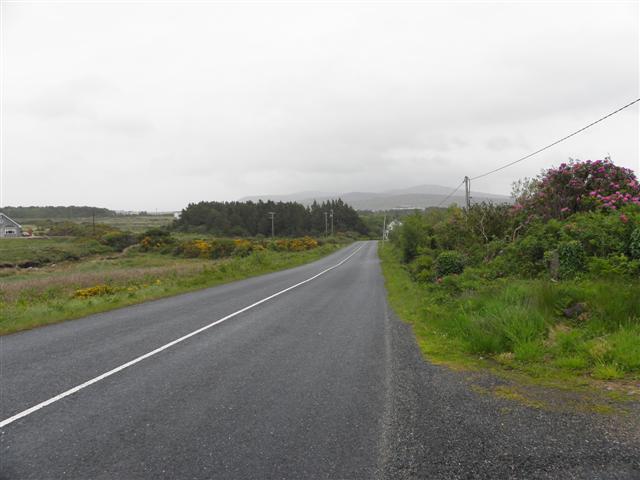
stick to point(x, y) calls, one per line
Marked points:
point(77, 388)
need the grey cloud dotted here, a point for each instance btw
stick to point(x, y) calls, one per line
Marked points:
point(82, 102)
point(231, 100)
point(499, 143)
point(130, 126)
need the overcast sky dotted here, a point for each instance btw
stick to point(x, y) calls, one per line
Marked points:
point(155, 105)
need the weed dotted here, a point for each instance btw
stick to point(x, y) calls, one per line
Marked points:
point(607, 371)
point(573, 362)
point(625, 348)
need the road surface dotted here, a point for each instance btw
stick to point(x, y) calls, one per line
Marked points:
point(319, 381)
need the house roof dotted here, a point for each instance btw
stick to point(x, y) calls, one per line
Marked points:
point(10, 220)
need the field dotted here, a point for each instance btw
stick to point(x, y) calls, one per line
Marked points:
point(98, 282)
point(38, 251)
point(133, 223)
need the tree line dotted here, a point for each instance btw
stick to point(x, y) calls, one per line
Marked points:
point(254, 218)
point(72, 211)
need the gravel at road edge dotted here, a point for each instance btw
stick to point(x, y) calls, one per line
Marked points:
point(437, 426)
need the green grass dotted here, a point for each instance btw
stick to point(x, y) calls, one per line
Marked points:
point(132, 223)
point(33, 298)
point(518, 324)
point(46, 250)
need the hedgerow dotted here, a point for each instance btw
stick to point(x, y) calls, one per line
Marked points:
point(552, 280)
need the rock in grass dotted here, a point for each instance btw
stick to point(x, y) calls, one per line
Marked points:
point(575, 310)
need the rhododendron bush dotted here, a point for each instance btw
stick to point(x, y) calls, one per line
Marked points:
point(580, 186)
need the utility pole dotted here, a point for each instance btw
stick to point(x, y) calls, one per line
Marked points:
point(384, 228)
point(467, 192)
point(272, 216)
point(326, 225)
point(332, 222)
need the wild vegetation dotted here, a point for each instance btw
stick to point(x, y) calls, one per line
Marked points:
point(77, 268)
point(135, 223)
point(94, 276)
point(25, 253)
point(549, 286)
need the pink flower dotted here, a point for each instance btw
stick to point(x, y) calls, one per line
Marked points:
point(624, 218)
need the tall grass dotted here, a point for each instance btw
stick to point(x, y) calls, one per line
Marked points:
point(30, 299)
point(523, 323)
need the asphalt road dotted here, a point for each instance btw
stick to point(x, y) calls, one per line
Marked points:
point(320, 381)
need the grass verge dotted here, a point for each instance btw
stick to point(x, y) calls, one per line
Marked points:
point(73, 290)
point(515, 328)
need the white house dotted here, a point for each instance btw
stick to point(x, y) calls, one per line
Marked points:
point(9, 227)
point(390, 226)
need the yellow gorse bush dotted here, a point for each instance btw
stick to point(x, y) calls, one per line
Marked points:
point(203, 247)
point(94, 291)
point(223, 248)
point(309, 243)
point(296, 244)
point(103, 289)
point(196, 248)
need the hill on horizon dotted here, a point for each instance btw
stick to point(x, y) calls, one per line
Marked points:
point(419, 196)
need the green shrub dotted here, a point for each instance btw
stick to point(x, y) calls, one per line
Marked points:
point(155, 239)
point(222, 248)
point(489, 222)
point(600, 233)
point(193, 249)
point(454, 232)
point(526, 254)
point(449, 262)
point(613, 266)
point(634, 244)
point(118, 240)
point(572, 258)
point(421, 268)
point(413, 235)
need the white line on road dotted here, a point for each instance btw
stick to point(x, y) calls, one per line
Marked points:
point(75, 389)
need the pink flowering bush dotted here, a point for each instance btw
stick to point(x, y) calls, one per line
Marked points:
point(580, 186)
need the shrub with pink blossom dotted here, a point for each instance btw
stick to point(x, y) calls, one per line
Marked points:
point(580, 186)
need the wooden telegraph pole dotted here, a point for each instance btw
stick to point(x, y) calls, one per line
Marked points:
point(467, 192)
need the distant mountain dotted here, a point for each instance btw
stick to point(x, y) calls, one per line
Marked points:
point(420, 196)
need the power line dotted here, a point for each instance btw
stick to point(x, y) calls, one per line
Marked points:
point(534, 153)
point(555, 143)
point(451, 194)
